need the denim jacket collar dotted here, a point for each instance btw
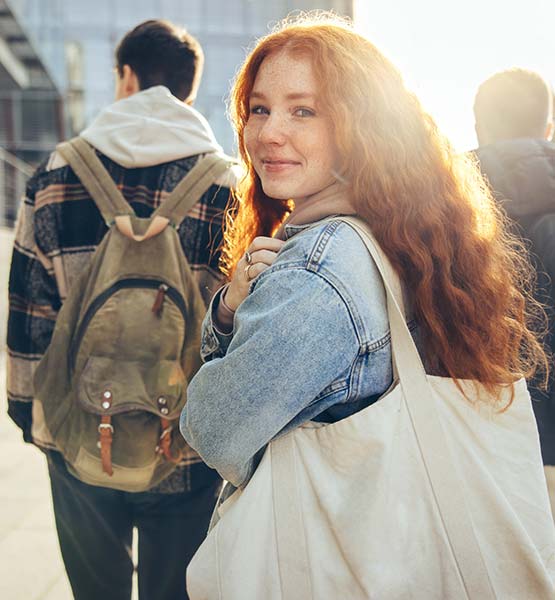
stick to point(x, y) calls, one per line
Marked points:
point(291, 230)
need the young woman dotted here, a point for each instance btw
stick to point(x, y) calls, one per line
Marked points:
point(349, 486)
point(326, 127)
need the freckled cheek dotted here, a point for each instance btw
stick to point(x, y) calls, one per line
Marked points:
point(250, 136)
point(320, 158)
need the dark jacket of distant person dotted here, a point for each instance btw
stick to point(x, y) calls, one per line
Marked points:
point(522, 174)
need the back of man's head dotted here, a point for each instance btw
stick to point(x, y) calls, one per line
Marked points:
point(159, 53)
point(513, 104)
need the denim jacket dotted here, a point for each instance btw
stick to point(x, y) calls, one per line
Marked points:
point(310, 342)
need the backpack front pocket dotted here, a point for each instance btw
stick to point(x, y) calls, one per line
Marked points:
point(109, 387)
point(134, 318)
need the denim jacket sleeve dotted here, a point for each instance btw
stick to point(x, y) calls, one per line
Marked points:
point(293, 336)
point(214, 343)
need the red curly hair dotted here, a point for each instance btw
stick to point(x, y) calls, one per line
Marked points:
point(427, 206)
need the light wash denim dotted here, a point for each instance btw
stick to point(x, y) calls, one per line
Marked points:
point(310, 342)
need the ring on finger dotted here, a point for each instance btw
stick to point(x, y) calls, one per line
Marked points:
point(248, 258)
point(247, 271)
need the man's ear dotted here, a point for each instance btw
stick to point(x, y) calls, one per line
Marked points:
point(127, 84)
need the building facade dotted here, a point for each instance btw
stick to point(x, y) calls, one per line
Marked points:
point(31, 109)
point(82, 65)
point(75, 40)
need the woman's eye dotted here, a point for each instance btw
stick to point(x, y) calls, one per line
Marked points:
point(304, 112)
point(258, 110)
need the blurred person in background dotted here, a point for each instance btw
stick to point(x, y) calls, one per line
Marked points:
point(513, 111)
point(148, 140)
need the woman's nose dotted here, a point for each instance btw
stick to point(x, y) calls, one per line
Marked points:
point(273, 130)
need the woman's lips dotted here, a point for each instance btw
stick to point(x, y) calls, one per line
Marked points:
point(278, 166)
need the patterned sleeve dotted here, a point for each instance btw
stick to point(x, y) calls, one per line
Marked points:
point(201, 236)
point(33, 306)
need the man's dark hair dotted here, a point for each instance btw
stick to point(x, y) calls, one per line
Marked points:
point(162, 54)
point(513, 104)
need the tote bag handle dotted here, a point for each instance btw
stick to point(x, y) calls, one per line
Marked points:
point(445, 482)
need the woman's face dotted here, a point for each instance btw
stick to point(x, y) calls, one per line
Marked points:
point(288, 136)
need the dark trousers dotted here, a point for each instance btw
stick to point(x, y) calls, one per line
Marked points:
point(95, 527)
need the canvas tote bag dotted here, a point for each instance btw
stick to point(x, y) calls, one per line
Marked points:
point(424, 495)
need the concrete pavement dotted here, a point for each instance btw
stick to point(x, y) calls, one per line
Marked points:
point(30, 564)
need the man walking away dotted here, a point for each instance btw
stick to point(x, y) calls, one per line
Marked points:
point(513, 113)
point(148, 140)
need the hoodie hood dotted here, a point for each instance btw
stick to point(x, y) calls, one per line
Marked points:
point(521, 173)
point(149, 128)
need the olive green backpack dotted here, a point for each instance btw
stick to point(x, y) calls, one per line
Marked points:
point(126, 342)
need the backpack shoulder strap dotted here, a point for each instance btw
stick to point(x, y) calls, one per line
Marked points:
point(190, 189)
point(95, 178)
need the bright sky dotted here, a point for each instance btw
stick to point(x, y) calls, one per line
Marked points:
point(446, 48)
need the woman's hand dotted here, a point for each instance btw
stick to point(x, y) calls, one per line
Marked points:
point(259, 256)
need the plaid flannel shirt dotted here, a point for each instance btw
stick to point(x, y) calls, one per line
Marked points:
point(58, 221)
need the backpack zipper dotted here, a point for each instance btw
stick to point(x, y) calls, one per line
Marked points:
point(163, 290)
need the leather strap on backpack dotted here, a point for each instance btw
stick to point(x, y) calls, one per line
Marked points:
point(106, 432)
point(164, 445)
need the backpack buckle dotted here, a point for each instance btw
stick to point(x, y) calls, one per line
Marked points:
point(105, 426)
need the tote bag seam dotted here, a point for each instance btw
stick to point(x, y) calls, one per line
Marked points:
point(275, 527)
point(300, 511)
point(218, 572)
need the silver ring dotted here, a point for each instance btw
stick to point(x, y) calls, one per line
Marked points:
point(248, 257)
point(247, 272)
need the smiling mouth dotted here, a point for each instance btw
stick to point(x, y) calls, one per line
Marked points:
point(274, 166)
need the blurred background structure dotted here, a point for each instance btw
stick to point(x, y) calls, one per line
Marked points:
point(57, 61)
point(31, 108)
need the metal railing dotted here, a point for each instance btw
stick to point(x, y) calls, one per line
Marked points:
point(14, 173)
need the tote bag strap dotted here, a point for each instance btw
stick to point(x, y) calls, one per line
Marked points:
point(445, 481)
